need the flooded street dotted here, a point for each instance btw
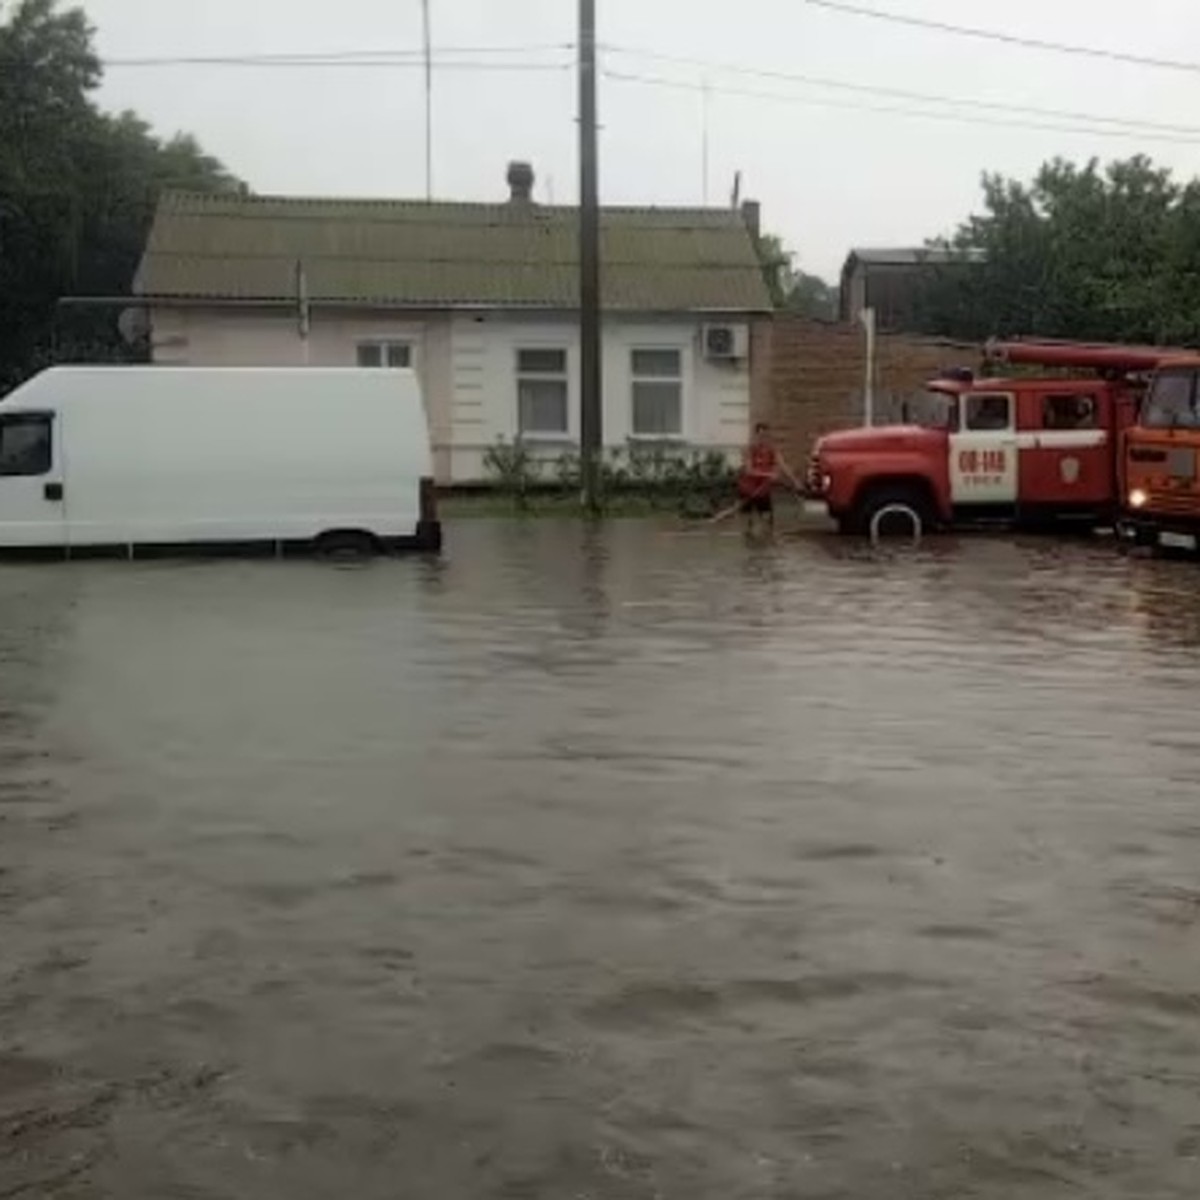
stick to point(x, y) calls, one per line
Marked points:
point(617, 864)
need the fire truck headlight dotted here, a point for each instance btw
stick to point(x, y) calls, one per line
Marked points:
point(1138, 498)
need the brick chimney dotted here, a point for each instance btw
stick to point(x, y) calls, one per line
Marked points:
point(520, 182)
point(752, 215)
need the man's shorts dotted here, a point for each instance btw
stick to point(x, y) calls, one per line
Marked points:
point(763, 503)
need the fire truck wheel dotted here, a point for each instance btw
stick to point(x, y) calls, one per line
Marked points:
point(892, 509)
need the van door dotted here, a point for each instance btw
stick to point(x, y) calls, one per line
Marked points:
point(32, 510)
point(983, 451)
point(1065, 450)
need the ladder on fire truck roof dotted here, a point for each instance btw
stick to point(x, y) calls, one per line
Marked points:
point(1098, 356)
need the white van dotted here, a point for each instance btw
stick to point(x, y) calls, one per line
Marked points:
point(129, 457)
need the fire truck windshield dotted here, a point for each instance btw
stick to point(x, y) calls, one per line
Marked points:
point(1171, 401)
point(934, 409)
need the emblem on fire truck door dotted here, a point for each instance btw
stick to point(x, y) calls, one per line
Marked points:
point(1069, 469)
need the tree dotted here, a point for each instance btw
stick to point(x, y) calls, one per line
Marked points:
point(78, 187)
point(811, 296)
point(793, 289)
point(1089, 252)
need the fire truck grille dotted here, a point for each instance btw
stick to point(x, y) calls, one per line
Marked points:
point(1184, 504)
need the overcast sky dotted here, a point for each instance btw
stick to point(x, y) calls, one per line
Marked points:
point(829, 176)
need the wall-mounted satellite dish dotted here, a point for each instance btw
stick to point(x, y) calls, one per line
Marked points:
point(134, 325)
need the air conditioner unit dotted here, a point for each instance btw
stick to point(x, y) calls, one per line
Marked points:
point(726, 343)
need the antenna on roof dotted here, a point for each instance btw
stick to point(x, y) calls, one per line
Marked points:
point(736, 199)
point(428, 42)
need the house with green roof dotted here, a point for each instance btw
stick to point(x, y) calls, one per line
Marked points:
point(482, 301)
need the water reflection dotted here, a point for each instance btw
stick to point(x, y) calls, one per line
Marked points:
point(1164, 602)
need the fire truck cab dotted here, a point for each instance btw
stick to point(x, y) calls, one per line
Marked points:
point(1015, 449)
point(1162, 488)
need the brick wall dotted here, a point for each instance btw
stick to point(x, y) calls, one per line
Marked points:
point(817, 378)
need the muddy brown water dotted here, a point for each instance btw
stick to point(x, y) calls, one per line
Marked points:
point(601, 864)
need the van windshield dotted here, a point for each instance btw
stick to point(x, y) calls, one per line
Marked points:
point(1171, 401)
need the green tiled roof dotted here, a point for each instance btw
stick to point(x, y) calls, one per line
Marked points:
point(438, 255)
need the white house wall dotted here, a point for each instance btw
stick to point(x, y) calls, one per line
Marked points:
point(483, 355)
point(468, 369)
point(254, 338)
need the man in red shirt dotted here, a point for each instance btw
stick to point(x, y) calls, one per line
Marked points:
point(762, 467)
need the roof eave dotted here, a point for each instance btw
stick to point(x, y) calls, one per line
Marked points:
point(151, 300)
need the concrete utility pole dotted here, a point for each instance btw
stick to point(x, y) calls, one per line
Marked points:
point(591, 391)
point(867, 317)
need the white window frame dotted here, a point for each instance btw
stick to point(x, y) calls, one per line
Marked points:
point(681, 434)
point(385, 344)
point(534, 347)
point(967, 407)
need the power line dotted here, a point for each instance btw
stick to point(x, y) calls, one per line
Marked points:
point(898, 110)
point(1009, 39)
point(901, 93)
point(385, 57)
point(414, 58)
point(390, 64)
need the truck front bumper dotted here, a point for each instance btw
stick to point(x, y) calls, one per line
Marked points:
point(1161, 533)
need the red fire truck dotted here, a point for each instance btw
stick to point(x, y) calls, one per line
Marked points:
point(1023, 449)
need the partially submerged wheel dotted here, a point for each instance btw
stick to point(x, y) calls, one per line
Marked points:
point(892, 511)
point(346, 545)
point(897, 520)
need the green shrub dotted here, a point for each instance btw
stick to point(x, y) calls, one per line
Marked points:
point(514, 467)
point(659, 476)
point(569, 471)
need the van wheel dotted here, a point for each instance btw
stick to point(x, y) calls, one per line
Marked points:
point(892, 510)
point(346, 545)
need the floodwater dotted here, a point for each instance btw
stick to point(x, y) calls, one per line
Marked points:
point(617, 863)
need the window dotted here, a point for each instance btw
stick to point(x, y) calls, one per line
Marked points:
point(988, 413)
point(933, 410)
point(25, 445)
point(1069, 412)
point(1171, 403)
point(385, 354)
point(657, 393)
point(542, 393)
